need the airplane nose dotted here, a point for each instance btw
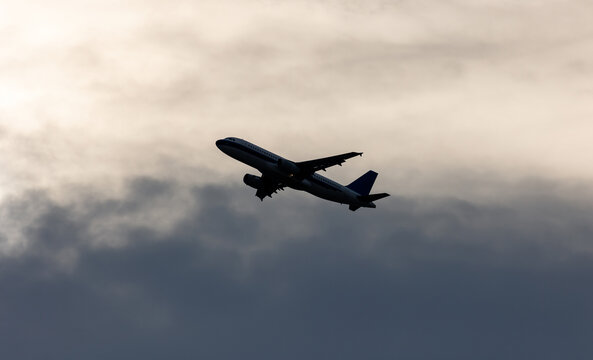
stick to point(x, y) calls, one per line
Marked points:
point(219, 143)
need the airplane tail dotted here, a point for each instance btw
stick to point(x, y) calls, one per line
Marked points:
point(363, 184)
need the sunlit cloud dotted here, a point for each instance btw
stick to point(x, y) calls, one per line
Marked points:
point(95, 93)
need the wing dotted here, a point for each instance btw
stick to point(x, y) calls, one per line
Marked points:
point(311, 166)
point(271, 186)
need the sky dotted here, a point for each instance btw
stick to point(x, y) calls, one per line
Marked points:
point(125, 233)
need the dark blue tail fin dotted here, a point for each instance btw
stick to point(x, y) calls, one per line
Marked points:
point(363, 184)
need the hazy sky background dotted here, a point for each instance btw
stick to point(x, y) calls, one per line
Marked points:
point(125, 233)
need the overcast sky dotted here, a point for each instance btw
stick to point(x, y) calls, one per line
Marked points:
point(125, 233)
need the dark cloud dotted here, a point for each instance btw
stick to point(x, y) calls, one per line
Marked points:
point(415, 278)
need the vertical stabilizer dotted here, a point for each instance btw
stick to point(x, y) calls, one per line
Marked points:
point(363, 184)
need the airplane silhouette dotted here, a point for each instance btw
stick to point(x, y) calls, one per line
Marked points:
point(278, 173)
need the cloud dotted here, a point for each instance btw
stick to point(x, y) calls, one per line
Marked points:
point(488, 85)
point(125, 233)
point(417, 278)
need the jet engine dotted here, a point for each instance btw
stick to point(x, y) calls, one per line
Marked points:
point(288, 167)
point(253, 181)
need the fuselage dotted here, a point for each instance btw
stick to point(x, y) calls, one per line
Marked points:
point(268, 164)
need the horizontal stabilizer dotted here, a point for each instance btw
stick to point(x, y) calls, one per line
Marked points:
point(372, 197)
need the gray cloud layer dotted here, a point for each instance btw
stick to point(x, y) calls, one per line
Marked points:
point(419, 278)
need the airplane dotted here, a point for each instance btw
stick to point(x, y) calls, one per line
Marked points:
point(278, 173)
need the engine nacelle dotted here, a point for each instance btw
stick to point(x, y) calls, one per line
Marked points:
point(253, 181)
point(288, 167)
